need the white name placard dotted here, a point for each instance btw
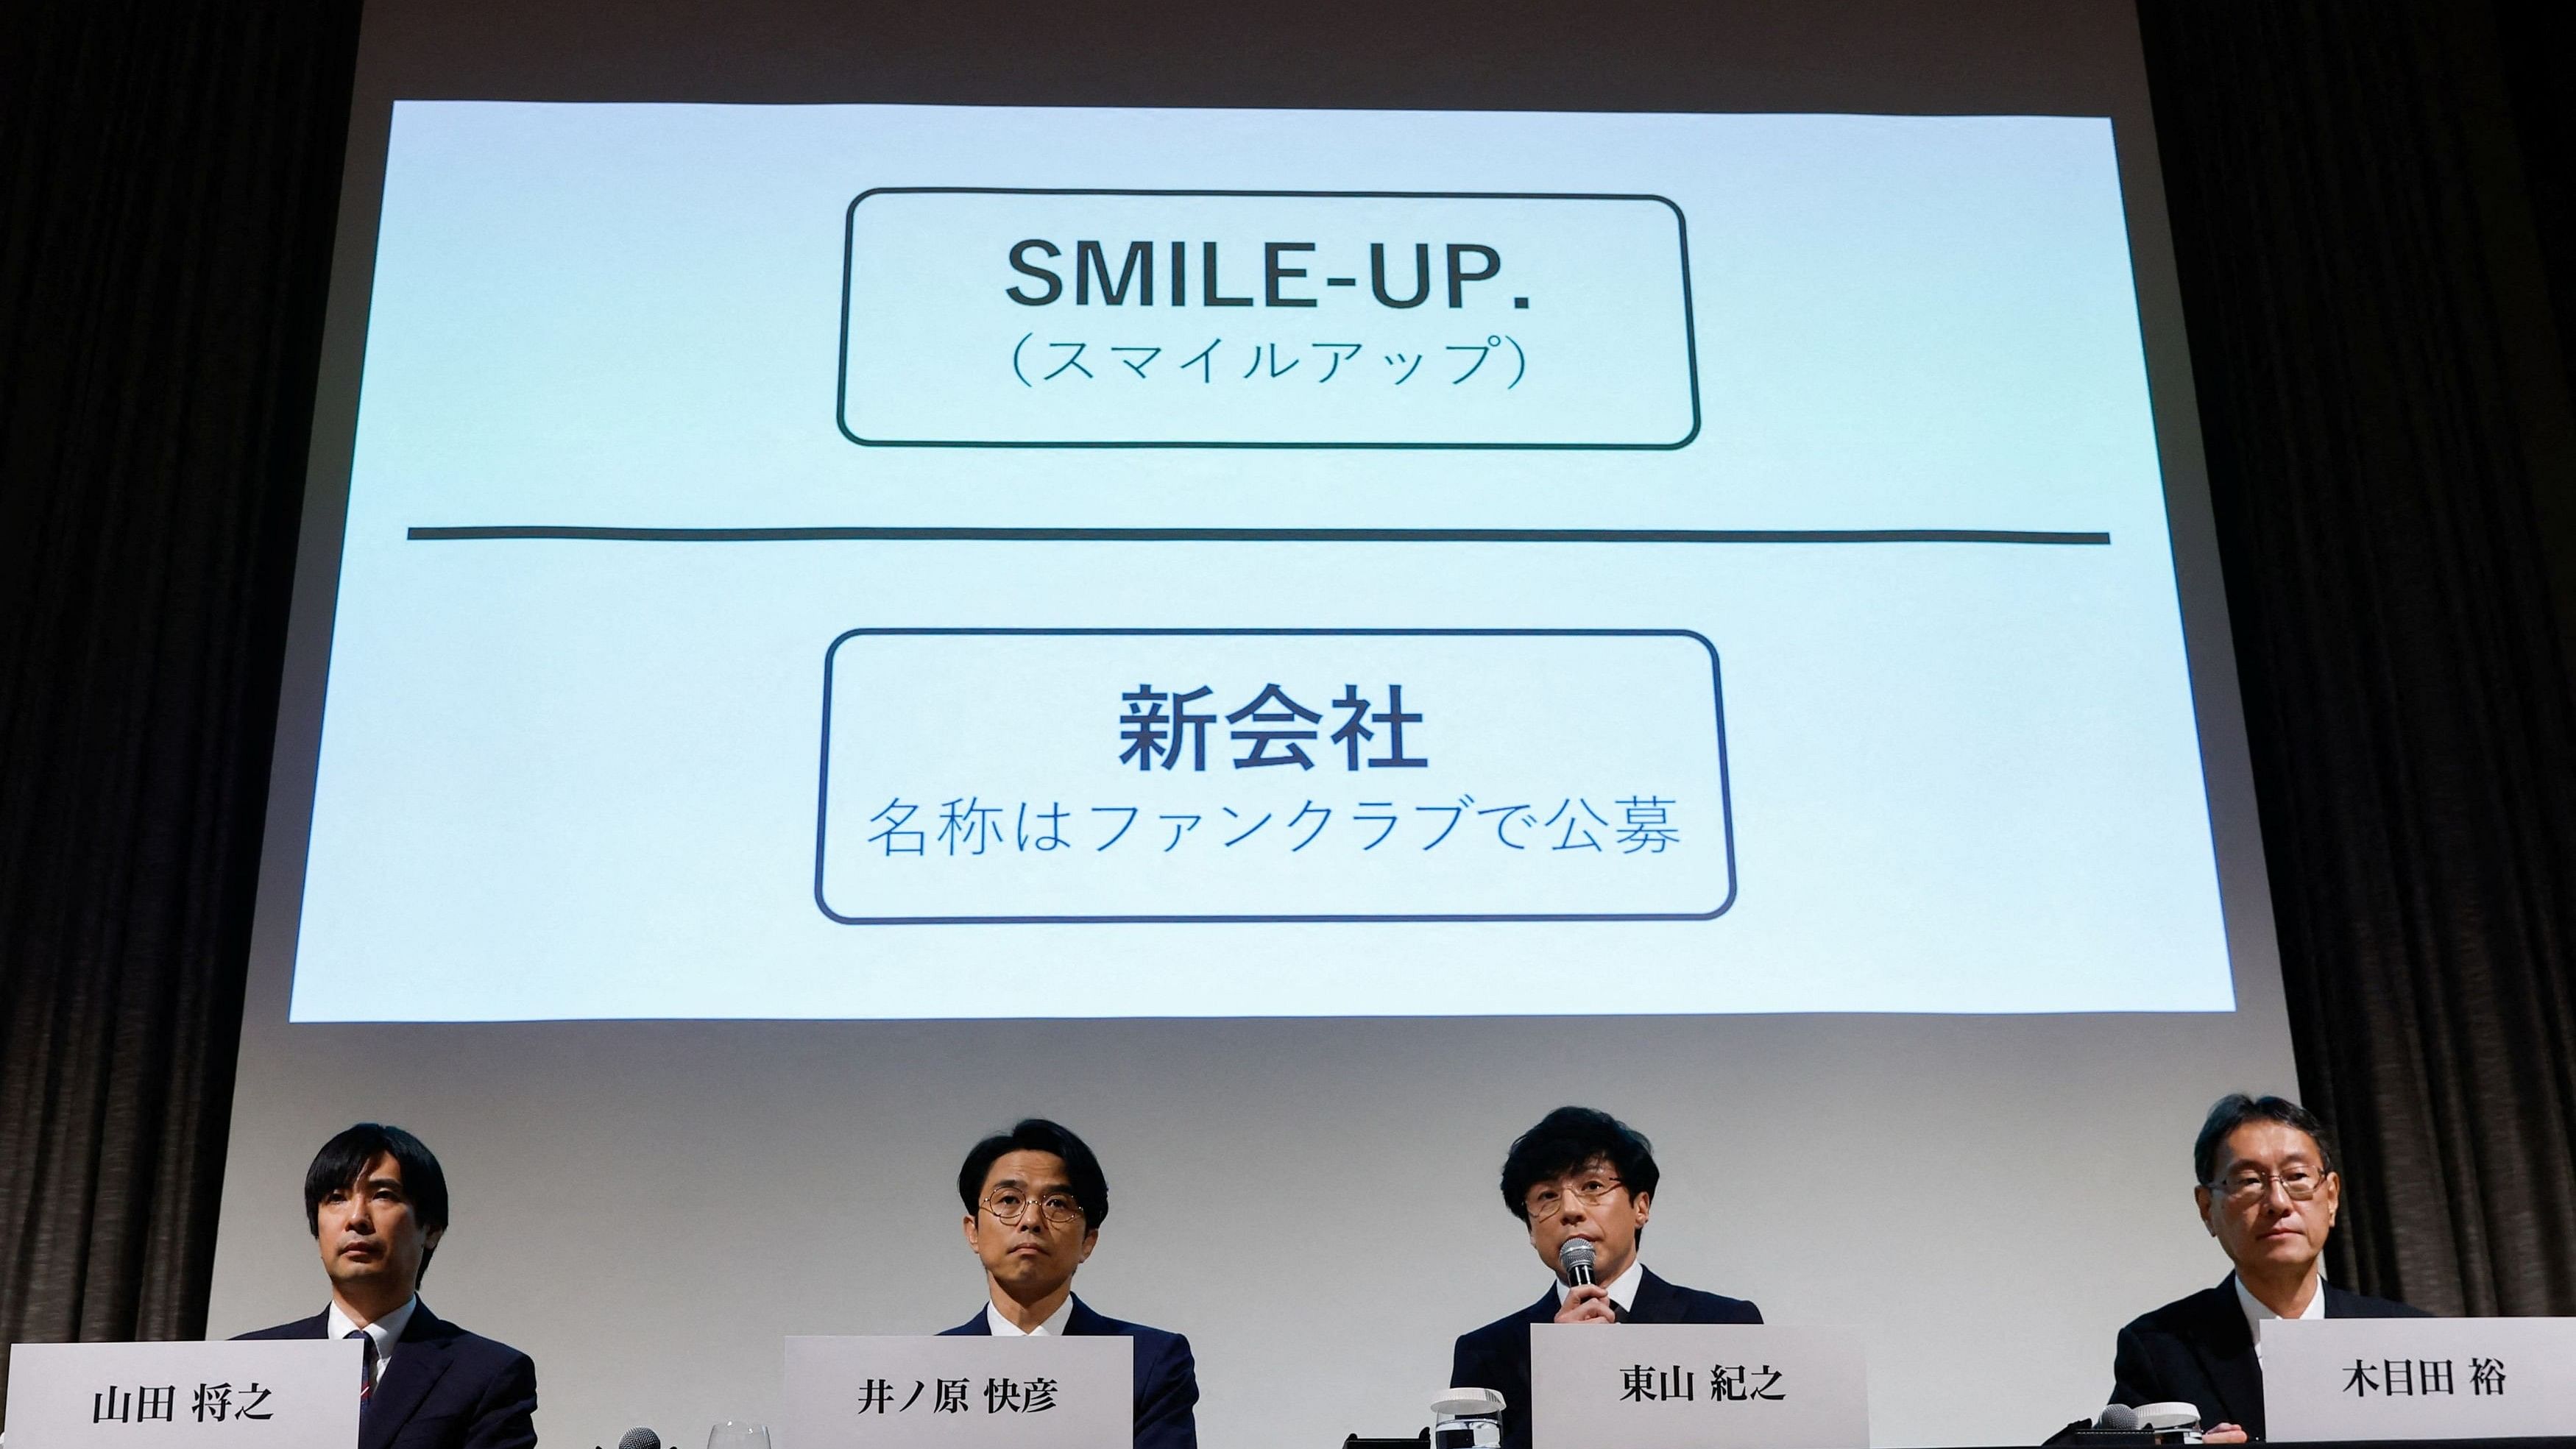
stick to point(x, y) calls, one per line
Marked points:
point(1696, 1386)
point(270, 1394)
point(2419, 1378)
point(961, 1393)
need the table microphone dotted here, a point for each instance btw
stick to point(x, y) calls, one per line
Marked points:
point(2120, 1427)
point(640, 1439)
point(1573, 1257)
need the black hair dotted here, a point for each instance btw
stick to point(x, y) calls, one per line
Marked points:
point(1037, 1134)
point(343, 1160)
point(1567, 1138)
point(2235, 1110)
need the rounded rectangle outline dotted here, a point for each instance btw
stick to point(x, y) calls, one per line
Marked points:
point(849, 247)
point(823, 789)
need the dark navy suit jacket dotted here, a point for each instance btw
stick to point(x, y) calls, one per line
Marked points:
point(2200, 1350)
point(1497, 1356)
point(1167, 1380)
point(445, 1388)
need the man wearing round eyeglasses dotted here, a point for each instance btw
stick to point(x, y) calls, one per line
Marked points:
point(2267, 1191)
point(1580, 1173)
point(1035, 1197)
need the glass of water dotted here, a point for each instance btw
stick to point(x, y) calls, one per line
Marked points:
point(738, 1434)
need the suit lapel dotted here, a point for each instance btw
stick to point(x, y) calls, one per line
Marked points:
point(1543, 1311)
point(423, 1356)
point(2225, 1347)
point(318, 1326)
point(1654, 1300)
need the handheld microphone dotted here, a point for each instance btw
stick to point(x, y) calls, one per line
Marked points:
point(640, 1439)
point(1573, 1259)
point(2119, 1418)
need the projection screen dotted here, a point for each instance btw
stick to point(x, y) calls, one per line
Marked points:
point(1291, 614)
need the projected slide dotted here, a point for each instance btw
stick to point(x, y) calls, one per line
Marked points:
point(855, 561)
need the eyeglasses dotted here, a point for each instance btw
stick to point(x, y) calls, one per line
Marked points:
point(1059, 1209)
point(2298, 1184)
point(1547, 1202)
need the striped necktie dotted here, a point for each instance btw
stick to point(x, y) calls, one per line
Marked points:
point(367, 1372)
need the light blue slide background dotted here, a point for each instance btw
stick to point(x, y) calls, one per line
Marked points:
point(565, 780)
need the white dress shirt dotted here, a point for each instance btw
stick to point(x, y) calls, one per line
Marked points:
point(386, 1331)
point(1003, 1327)
point(1623, 1289)
point(2257, 1312)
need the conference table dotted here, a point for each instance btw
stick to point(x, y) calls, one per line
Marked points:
point(2523, 1442)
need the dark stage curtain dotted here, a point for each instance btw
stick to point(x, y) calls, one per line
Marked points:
point(2387, 424)
point(168, 175)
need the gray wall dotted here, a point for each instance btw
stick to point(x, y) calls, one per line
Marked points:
point(648, 1207)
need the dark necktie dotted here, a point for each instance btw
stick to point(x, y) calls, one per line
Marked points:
point(367, 1372)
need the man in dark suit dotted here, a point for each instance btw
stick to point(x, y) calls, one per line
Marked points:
point(2267, 1192)
point(1035, 1197)
point(1580, 1173)
point(376, 1201)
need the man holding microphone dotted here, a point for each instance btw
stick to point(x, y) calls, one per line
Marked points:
point(1583, 1183)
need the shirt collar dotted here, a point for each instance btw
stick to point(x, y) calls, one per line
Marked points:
point(2257, 1312)
point(1003, 1327)
point(1623, 1289)
point(386, 1331)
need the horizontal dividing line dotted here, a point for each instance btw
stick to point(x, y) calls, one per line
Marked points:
point(590, 534)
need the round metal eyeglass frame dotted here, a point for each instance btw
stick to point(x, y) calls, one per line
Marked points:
point(1009, 1207)
point(1547, 1203)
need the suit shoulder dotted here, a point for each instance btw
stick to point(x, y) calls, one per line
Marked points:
point(489, 1353)
point(502, 1361)
point(1498, 1336)
point(1150, 1341)
point(282, 1330)
point(1704, 1307)
point(2185, 1317)
point(316, 1326)
point(1170, 1352)
point(1156, 1340)
point(493, 1350)
point(2340, 1304)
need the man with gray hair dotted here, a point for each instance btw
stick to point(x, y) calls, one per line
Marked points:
point(2267, 1190)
